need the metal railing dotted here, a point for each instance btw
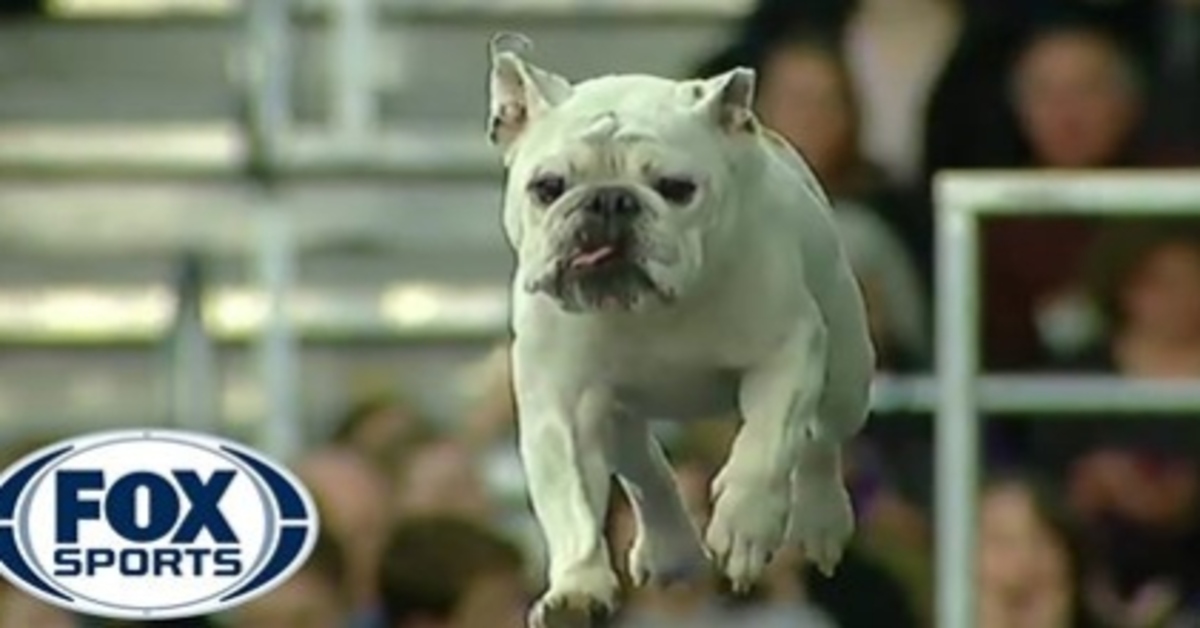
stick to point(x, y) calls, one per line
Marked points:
point(962, 395)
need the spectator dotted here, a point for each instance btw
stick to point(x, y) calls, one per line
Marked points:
point(442, 477)
point(20, 610)
point(862, 592)
point(1078, 98)
point(183, 622)
point(896, 50)
point(1145, 279)
point(489, 431)
point(313, 597)
point(1163, 37)
point(1142, 510)
point(1030, 559)
point(1174, 46)
point(1137, 483)
point(964, 127)
point(443, 572)
point(806, 95)
point(354, 501)
point(772, 20)
point(380, 428)
point(492, 417)
point(17, 608)
point(891, 505)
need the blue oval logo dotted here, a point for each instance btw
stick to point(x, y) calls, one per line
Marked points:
point(151, 524)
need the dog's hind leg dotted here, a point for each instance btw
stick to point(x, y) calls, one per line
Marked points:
point(850, 366)
point(667, 547)
point(822, 519)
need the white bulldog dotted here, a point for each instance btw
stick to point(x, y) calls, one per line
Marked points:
point(675, 259)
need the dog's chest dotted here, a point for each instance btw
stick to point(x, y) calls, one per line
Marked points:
point(687, 368)
point(663, 389)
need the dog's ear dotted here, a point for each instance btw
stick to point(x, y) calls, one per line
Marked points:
point(519, 90)
point(728, 100)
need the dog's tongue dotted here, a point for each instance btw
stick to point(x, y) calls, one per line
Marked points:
point(591, 258)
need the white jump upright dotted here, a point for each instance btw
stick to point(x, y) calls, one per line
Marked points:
point(267, 68)
point(354, 109)
point(962, 395)
point(269, 126)
point(282, 435)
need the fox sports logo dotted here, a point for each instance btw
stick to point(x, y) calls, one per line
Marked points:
point(151, 524)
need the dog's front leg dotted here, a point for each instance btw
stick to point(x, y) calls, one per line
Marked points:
point(563, 439)
point(779, 400)
point(667, 547)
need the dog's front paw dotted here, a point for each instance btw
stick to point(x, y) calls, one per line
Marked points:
point(663, 559)
point(747, 528)
point(577, 602)
point(822, 520)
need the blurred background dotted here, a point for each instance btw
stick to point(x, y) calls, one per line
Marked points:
point(278, 220)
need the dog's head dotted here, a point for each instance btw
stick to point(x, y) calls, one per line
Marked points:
point(620, 188)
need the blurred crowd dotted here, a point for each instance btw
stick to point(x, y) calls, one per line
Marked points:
point(1086, 523)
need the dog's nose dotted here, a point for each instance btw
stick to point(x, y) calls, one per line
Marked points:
point(614, 202)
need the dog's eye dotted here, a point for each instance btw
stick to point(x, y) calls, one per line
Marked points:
point(548, 188)
point(677, 190)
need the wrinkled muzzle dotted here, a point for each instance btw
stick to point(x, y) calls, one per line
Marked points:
point(599, 258)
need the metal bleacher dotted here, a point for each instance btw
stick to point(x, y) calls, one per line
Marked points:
point(128, 142)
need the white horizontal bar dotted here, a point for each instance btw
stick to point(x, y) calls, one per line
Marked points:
point(403, 310)
point(218, 147)
point(139, 8)
point(200, 146)
point(1049, 394)
point(1108, 192)
point(578, 12)
point(434, 151)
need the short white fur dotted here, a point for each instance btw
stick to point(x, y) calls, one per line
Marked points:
point(764, 318)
